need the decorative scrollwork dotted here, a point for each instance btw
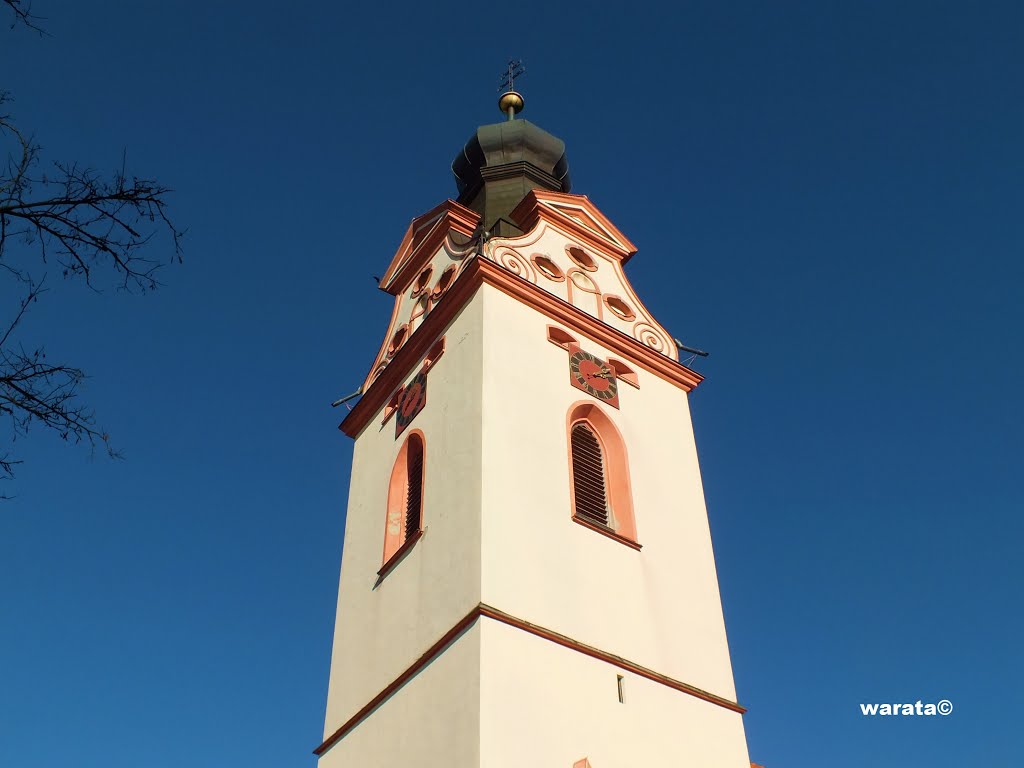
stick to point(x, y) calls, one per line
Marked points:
point(652, 337)
point(515, 263)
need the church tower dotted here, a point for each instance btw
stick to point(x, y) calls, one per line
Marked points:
point(527, 575)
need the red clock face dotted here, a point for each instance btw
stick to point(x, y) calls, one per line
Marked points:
point(592, 375)
point(413, 398)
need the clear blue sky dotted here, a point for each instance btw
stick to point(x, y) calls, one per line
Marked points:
point(839, 190)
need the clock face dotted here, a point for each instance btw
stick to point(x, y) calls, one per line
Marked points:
point(413, 398)
point(593, 375)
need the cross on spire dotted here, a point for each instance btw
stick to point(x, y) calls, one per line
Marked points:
point(508, 77)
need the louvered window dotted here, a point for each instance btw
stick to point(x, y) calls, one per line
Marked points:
point(414, 495)
point(588, 476)
point(404, 522)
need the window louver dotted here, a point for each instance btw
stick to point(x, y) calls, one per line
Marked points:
point(415, 491)
point(588, 477)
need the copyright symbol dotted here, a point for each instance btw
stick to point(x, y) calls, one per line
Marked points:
point(945, 707)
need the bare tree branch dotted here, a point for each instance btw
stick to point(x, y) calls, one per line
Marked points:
point(93, 226)
point(23, 15)
point(83, 220)
point(36, 391)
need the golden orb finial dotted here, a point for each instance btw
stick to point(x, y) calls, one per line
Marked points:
point(511, 104)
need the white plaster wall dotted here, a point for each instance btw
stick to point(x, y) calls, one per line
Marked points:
point(381, 630)
point(659, 607)
point(545, 705)
point(499, 530)
point(433, 721)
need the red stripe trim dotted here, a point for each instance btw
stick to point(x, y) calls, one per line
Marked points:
point(512, 621)
point(399, 681)
point(618, 661)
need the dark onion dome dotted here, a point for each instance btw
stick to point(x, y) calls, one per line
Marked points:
point(502, 162)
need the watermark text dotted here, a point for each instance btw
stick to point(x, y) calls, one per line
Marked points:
point(943, 707)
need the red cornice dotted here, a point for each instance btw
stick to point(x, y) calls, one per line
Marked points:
point(565, 641)
point(614, 340)
point(481, 271)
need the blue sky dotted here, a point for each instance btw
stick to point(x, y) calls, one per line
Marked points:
point(826, 196)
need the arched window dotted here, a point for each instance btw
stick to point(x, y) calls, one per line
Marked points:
point(599, 471)
point(405, 497)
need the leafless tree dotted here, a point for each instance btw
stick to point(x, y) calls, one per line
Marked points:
point(90, 226)
point(23, 15)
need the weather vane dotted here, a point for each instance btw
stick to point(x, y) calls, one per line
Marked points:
point(511, 102)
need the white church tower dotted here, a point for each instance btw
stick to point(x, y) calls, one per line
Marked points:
point(527, 574)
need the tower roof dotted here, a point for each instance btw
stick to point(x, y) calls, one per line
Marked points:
point(501, 163)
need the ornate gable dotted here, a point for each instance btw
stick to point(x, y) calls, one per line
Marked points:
point(576, 214)
point(422, 239)
point(572, 251)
